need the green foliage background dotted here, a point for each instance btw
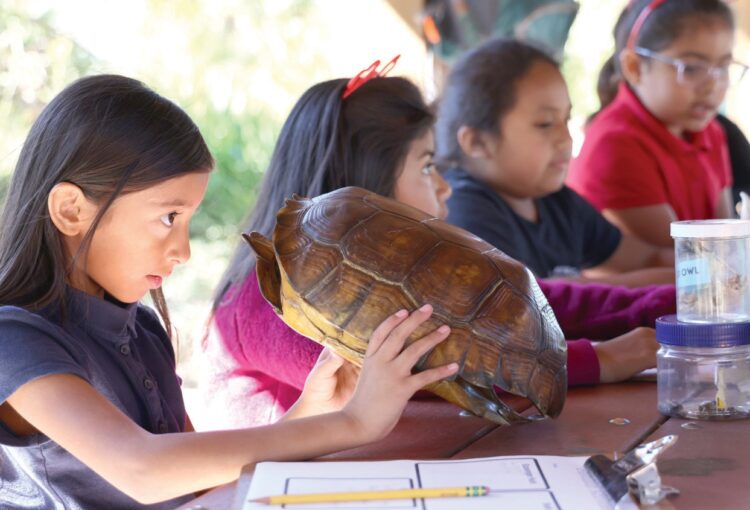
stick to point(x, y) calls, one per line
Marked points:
point(35, 63)
point(37, 60)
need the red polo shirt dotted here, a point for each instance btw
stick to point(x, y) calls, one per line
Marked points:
point(630, 159)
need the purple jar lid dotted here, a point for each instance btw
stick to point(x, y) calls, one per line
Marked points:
point(670, 331)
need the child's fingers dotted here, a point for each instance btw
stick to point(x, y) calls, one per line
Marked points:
point(422, 379)
point(394, 342)
point(383, 330)
point(328, 362)
point(324, 356)
point(411, 354)
point(326, 366)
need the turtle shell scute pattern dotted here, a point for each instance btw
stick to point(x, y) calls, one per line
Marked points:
point(355, 257)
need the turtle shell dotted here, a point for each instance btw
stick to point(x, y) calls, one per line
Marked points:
point(340, 263)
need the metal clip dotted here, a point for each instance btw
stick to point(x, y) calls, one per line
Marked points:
point(644, 483)
point(635, 473)
point(644, 454)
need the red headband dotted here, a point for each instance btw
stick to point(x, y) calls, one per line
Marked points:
point(367, 74)
point(640, 20)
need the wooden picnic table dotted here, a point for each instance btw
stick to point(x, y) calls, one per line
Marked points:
point(709, 464)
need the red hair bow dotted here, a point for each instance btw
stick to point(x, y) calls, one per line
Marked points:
point(367, 74)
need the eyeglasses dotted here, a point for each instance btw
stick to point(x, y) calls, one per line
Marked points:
point(698, 73)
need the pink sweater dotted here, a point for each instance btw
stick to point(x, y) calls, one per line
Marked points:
point(255, 365)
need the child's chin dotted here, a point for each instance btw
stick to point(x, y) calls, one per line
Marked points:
point(695, 125)
point(553, 186)
point(130, 297)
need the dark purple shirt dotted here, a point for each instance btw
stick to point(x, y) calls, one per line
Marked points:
point(123, 352)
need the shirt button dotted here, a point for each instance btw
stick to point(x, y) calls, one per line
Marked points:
point(148, 384)
point(125, 350)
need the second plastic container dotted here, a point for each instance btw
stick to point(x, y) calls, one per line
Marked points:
point(703, 370)
point(712, 263)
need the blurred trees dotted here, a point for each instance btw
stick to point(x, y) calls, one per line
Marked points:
point(35, 63)
point(226, 63)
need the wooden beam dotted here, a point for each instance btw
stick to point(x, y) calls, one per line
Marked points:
point(409, 11)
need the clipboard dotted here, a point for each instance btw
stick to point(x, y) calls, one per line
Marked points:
point(624, 483)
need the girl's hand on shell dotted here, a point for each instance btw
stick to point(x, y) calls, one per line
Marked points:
point(386, 382)
point(328, 387)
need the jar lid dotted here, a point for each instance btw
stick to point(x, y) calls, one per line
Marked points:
point(710, 228)
point(670, 331)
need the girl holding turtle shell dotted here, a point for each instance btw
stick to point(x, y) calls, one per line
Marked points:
point(98, 214)
point(379, 137)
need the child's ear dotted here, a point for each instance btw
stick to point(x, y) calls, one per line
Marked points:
point(70, 210)
point(472, 143)
point(630, 66)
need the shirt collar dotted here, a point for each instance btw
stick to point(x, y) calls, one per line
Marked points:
point(696, 141)
point(107, 317)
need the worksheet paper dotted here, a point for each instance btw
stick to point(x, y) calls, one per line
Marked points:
point(518, 482)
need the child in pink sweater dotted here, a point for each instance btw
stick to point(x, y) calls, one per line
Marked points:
point(380, 138)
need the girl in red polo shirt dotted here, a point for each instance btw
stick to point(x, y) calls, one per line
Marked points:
point(656, 154)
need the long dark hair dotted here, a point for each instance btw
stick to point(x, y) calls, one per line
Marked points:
point(108, 135)
point(662, 27)
point(327, 143)
point(480, 90)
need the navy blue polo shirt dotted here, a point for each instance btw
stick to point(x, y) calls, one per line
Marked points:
point(123, 352)
point(570, 235)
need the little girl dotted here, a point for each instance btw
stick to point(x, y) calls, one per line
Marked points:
point(502, 133)
point(378, 137)
point(91, 414)
point(656, 154)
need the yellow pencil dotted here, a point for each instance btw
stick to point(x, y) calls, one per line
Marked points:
point(335, 497)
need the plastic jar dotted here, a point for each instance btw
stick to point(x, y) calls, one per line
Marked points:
point(712, 262)
point(703, 370)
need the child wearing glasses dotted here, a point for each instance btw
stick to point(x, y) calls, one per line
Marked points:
point(656, 153)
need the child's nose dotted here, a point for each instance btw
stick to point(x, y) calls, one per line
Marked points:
point(566, 140)
point(712, 83)
point(442, 188)
point(180, 249)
